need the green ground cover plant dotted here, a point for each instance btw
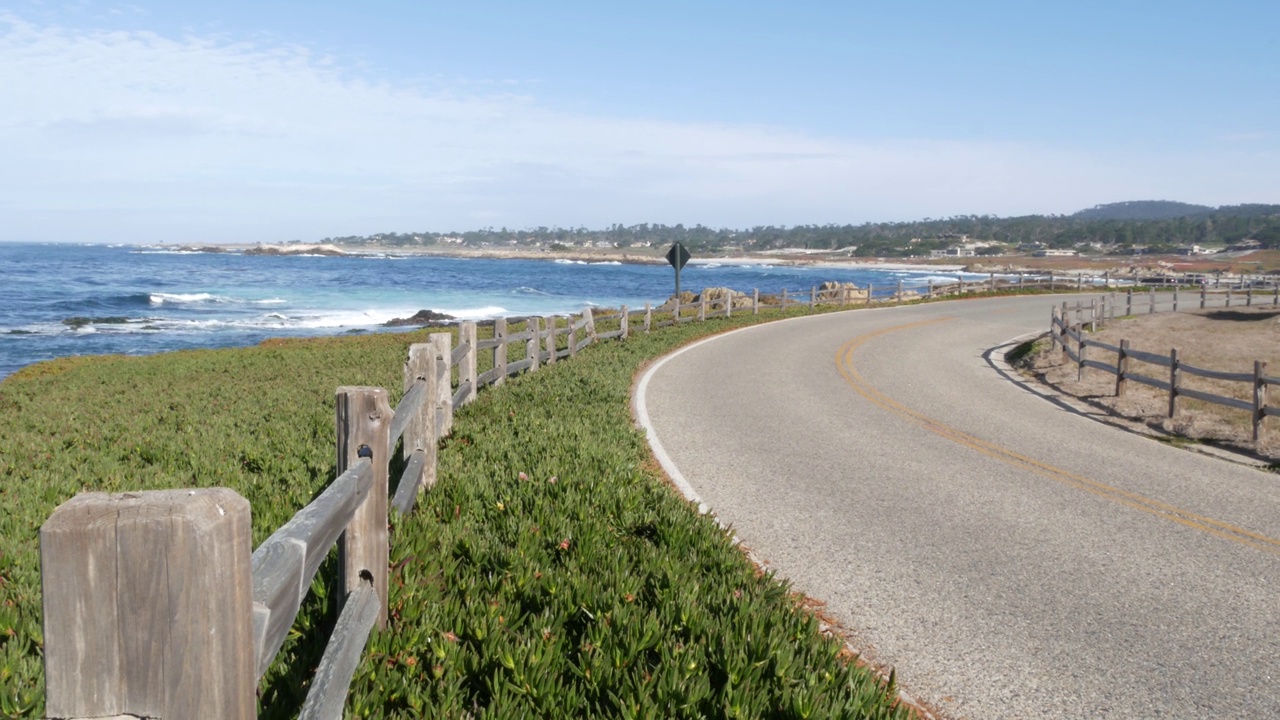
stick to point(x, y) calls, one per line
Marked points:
point(550, 573)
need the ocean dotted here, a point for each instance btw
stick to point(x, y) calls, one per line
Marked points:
point(67, 299)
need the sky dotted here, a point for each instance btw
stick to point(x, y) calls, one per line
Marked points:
point(237, 121)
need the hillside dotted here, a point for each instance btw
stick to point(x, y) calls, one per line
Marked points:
point(1143, 210)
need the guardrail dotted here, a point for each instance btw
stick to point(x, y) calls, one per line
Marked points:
point(1075, 345)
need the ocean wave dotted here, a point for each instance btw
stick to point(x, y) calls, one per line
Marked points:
point(530, 291)
point(606, 262)
point(566, 261)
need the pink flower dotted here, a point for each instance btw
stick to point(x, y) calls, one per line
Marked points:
point(522, 476)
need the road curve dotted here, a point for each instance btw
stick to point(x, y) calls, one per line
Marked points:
point(1010, 558)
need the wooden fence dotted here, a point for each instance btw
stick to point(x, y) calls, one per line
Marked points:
point(154, 605)
point(1067, 330)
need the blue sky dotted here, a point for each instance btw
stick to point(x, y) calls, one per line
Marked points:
point(270, 121)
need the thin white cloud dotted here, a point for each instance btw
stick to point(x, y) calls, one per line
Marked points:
point(199, 138)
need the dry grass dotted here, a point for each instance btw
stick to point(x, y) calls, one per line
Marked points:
point(1227, 340)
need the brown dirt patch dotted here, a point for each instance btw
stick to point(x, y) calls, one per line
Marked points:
point(1226, 340)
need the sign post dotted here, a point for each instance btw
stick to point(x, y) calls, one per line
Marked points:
point(677, 256)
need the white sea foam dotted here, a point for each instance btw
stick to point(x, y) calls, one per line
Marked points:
point(179, 298)
point(566, 261)
point(606, 262)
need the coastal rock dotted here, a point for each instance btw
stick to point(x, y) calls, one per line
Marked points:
point(855, 292)
point(418, 319)
point(326, 249)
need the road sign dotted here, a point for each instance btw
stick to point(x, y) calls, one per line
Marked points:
point(677, 256)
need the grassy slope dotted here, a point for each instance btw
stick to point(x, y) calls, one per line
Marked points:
point(601, 593)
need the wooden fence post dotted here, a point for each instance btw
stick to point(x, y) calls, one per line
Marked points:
point(590, 327)
point(648, 317)
point(813, 297)
point(1248, 297)
point(533, 346)
point(1122, 367)
point(1275, 298)
point(1128, 302)
point(148, 606)
point(1228, 296)
point(1066, 327)
point(551, 335)
point(1175, 297)
point(930, 295)
point(1050, 279)
point(443, 343)
point(500, 350)
point(1093, 314)
point(784, 298)
point(624, 322)
point(755, 301)
point(702, 305)
point(728, 305)
point(1259, 399)
point(420, 433)
point(1174, 375)
point(573, 331)
point(467, 371)
point(1151, 301)
point(364, 427)
point(1203, 292)
point(869, 292)
point(1081, 354)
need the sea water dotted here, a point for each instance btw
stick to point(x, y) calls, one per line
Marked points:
point(66, 299)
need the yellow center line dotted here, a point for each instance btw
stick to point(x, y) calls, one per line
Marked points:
point(1227, 531)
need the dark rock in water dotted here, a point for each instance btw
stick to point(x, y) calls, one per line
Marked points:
point(422, 317)
point(79, 322)
point(357, 331)
point(20, 332)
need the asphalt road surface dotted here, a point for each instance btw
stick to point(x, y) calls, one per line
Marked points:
point(1010, 558)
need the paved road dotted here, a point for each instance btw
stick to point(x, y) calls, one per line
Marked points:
point(1010, 558)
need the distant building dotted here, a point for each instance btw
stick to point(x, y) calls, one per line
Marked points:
point(953, 252)
point(1054, 252)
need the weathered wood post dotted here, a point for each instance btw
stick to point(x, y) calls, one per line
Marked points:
point(1175, 298)
point(930, 295)
point(1228, 296)
point(870, 291)
point(1259, 399)
point(1248, 297)
point(551, 335)
point(573, 332)
point(1204, 286)
point(1022, 280)
point(755, 301)
point(728, 304)
point(500, 350)
point(1175, 374)
point(148, 606)
point(590, 326)
point(420, 434)
point(702, 305)
point(784, 298)
point(1106, 279)
point(443, 344)
point(1128, 302)
point(813, 297)
point(624, 322)
point(993, 282)
point(467, 370)
point(364, 428)
point(1122, 367)
point(1082, 348)
point(1093, 314)
point(1050, 279)
point(1053, 328)
point(1066, 328)
point(533, 346)
point(1151, 301)
point(648, 317)
point(1275, 297)
point(899, 295)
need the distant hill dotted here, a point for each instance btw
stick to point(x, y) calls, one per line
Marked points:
point(1143, 210)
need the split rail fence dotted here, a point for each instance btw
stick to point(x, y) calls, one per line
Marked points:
point(1067, 330)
